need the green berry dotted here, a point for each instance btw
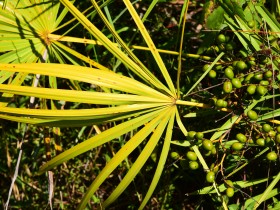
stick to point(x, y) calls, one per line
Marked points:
point(251, 89)
point(237, 146)
point(241, 65)
point(199, 135)
point(271, 133)
point(213, 151)
point(210, 177)
point(191, 155)
point(174, 155)
point(214, 168)
point(268, 74)
point(234, 63)
point(266, 127)
point(191, 134)
point(229, 73)
point(205, 67)
point(271, 156)
point(193, 165)
point(249, 78)
point(207, 145)
point(229, 192)
point(218, 67)
point(230, 46)
point(277, 138)
point(252, 115)
point(212, 74)
point(265, 60)
point(261, 90)
point(221, 103)
point(236, 83)
point(241, 138)
point(221, 38)
point(269, 142)
point(251, 23)
point(264, 83)
point(260, 142)
point(227, 87)
point(228, 183)
point(258, 76)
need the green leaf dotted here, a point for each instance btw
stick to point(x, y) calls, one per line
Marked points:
point(161, 161)
point(100, 139)
point(140, 161)
point(120, 156)
point(216, 19)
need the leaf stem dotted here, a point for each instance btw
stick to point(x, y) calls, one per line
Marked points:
point(196, 104)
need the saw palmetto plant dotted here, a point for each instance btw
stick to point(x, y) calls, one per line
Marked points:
point(37, 53)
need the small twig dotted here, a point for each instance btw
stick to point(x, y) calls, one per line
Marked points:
point(16, 169)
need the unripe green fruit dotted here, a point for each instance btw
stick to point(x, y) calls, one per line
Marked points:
point(252, 115)
point(251, 23)
point(191, 134)
point(261, 90)
point(229, 192)
point(258, 76)
point(207, 153)
point(241, 65)
point(271, 133)
point(228, 183)
point(265, 60)
point(268, 74)
point(236, 83)
point(277, 138)
point(234, 63)
point(269, 142)
point(251, 89)
point(205, 67)
point(174, 155)
point(218, 67)
point(249, 78)
point(221, 38)
point(212, 74)
point(230, 46)
point(214, 168)
point(199, 135)
point(266, 127)
point(264, 83)
point(260, 142)
point(272, 156)
point(221, 103)
point(229, 73)
point(251, 63)
point(241, 77)
point(207, 145)
point(193, 165)
point(210, 177)
point(191, 155)
point(227, 87)
point(278, 129)
point(236, 146)
point(241, 138)
point(225, 104)
point(213, 151)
